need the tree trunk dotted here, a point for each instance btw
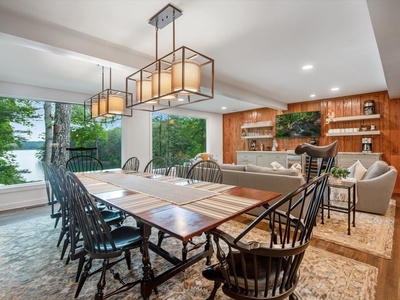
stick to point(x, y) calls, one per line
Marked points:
point(61, 135)
point(48, 132)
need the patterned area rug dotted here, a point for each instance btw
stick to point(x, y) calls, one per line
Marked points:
point(373, 234)
point(31, 269)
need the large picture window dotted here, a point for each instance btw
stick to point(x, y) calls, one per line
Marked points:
point(36, 131)
point(178, 137)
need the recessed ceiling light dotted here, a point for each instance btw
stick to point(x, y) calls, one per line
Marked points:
point(312, 95)
point(223, 107)
point(335, 89)
point(308, 67)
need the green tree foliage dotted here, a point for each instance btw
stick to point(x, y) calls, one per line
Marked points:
point(110, 152)
point(17, 111)
point(85, 133)
point(177, 137)
point(105, 135)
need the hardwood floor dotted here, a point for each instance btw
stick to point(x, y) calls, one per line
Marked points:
point(389, 270)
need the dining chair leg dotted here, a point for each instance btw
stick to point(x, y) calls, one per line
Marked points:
point(102, 281)
point(128, 259)
point(65, 246)
point(62, 233)
point(56, 222)
point(80, 267)
point(217, 284)
point(161, 235)
point(83, 277)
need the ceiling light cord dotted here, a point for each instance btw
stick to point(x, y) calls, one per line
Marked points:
point(173, 31)
point(102, 78)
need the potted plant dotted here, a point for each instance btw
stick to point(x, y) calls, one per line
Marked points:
point(338, 173)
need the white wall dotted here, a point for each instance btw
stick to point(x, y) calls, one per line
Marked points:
point(137, 134)
point(136, 138)
point(22, 195)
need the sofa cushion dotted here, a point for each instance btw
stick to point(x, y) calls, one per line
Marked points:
point(258, 169)
point(277, 165)
point(378, 168)
point(357, 170)
point(232, 167)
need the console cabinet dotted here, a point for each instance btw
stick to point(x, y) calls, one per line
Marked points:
point(262, 158)
point(346, 159)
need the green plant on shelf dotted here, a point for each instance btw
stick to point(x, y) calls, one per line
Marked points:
point(339, 173)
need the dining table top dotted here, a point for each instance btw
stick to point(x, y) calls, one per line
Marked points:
point(180, 207)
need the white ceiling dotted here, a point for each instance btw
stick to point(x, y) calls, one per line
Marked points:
point(52, 49)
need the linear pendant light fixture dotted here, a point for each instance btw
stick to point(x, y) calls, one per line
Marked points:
point(109, 103)
point(181, 77)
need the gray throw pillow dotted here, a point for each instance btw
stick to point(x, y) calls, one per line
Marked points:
point(378, 168)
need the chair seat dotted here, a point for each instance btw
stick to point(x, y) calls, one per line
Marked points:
point(126, 236)
point(112, 217)
point(214, 272)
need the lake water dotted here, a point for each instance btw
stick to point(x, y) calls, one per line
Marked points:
point(27, 160)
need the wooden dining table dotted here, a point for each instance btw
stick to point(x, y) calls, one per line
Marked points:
point(179, 207)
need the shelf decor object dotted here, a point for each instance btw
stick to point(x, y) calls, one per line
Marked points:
point(353, 118)
point(181, 77)
point(344, 132)
point(249, 134)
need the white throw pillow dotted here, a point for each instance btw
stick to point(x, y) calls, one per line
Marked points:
point(277, 165)
point(297, 167)
point(357, 170)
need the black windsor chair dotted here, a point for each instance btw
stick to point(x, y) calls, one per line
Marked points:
point(205, 170)
point(158, 165)
point(268, 268)
point(84, 163)
point(132, 164)
point(51, 198)
point(99, 241)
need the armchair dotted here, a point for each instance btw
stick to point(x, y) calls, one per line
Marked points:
point(375, 189)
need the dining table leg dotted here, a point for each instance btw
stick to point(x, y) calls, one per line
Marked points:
point(148, 274)
point(184, 250)
point(207, 248)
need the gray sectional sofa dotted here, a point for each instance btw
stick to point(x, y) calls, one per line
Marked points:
point(262, 178)
point(374, 189)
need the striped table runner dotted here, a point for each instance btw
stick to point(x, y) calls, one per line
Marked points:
point(174, 194)
point(190, 194)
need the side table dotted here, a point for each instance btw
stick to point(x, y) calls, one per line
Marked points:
point(351, 201)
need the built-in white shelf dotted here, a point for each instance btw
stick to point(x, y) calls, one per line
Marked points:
point(255, 126)
point(354, 118)
point(367, 132)
point(248, 137)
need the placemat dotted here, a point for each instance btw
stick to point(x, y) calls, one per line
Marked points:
point(176, 194)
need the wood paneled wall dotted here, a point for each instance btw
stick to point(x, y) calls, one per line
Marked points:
point(387, 142)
